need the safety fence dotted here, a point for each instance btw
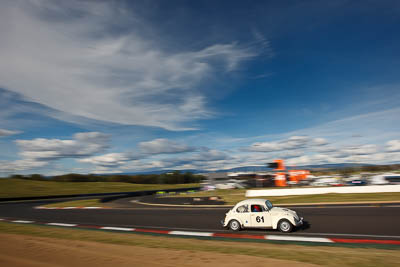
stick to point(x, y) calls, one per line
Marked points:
point(323, 190)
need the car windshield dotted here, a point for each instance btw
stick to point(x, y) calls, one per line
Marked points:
point(269, 204)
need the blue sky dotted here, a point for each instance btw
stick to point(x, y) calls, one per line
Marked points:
point(133, 86)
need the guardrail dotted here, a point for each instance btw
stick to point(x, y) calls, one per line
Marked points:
point(113, 196)
point(145, 193)
point(323, 190)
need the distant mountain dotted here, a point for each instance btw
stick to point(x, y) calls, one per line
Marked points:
point(254, 169)
point(246, 169)
point(334, 166)
point(305, 167)
point(157, 172)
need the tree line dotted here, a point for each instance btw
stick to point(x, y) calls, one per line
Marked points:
point(175, 177)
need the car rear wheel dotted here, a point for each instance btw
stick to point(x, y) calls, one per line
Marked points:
point(285, 226)
point(234, 225)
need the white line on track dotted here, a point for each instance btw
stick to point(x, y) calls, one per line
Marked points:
point(175, 228)
point(154, 227)
point(223, 231)
point(354, 235)
point(256, 233)
point(340, 207)
point(165, 208)
point(190, 233)
point(117, 228)
point(298, 238)
point(293, 207)
point(62, 224)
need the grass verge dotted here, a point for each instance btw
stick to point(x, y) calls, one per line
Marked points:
point(232, 196)
point(321, 255)
point(26, 188)
point(77, 203)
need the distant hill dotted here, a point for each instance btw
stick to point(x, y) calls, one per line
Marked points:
point(334, 166)
point(305, 167)
point(158, 172)
point(258, 168)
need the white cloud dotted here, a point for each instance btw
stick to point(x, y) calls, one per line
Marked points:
point(393, 146)
point(140, 165)
point(211, 159)
point(294, 142)
point(20, 165)
point(376, 127)
point(147, 151)
point(163, 146)
point(103, 170)
point(4, 132)
point(158, 155)
point(209, 155)
point(265, 147)
point(204, 160)
point(313, 159)
point(208, 159)
point(302, 160)
point(319, 141)
point(289, 154)
point(354, 151)
point(40, 152)
point(108, 160)
point(365, 155)
point(362, 149)
point(83, 144)
point(338, 141)
point(326, 149)
point(78, 65)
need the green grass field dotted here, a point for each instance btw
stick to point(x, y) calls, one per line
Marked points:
point(316, 254)
point(232, 196)
point(78, 203)
point(27, 188)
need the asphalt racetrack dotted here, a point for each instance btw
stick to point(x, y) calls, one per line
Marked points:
point(368, 221)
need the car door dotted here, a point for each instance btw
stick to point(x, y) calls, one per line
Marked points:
point(243, 215)
point(259, 216)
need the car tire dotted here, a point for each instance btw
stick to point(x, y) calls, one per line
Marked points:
point(285, 226)
point(234, 225)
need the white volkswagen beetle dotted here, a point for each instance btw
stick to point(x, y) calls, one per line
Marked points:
point(260, 213)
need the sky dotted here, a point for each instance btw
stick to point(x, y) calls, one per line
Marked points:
point(139, 86)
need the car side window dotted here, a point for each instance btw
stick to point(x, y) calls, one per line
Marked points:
point(256, 208)
point(242, 209)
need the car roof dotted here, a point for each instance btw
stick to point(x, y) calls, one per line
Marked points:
point(252, 201)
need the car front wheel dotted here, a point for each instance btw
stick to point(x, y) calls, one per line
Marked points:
point(234, 225)
point(285, 226)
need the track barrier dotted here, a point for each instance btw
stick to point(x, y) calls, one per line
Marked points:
point(324, 190)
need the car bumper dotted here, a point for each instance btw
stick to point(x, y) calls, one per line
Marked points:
point(299, 222)
point(223, 224)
